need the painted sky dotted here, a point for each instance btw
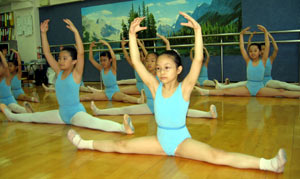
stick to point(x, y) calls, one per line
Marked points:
point(165, 12)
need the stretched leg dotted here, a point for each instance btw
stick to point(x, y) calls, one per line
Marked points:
point(232, 85)
point(14, 107)
point(48, 89)
point(95, 90)
point(209, 83)
point(127, 82)
point(130, 90)
point(239, 91)
point(83, 119)
point(196, 150)
point(140, 145)
point(85, 89)
point(271, 92)
point(133, 109)
point(283, 85)
point(197, 113)
point(51, 117)
point(24, 97)
point(119, 96)
point(99, 96)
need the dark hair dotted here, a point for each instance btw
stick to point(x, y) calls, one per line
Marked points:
point(14, 61)
point(256, 44)
point(2, 47)
point(174, 55)
point(106, 54)
point(154, 53)
point(72, 51)
point(262, 44)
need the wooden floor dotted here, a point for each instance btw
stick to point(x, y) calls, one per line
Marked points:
point(255, 126)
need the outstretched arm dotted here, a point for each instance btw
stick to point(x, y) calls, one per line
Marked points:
point(19, 63)
point(275, 50)
point(166, 41)
point(46, 48)
point(79, 46)
point(242, 47)
point(250, 39)
point(145, 75)
point(91, 57)
point(126, 55)
point(267, 43)
point(113, 56)
point(192, 77)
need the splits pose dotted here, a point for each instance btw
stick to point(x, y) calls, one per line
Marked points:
point(69, 70)
point(171, 101)
point(108, 69)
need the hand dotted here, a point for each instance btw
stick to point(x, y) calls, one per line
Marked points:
point(70, 25)
point(45, 26)
point(123, 42)
point(104, 42)
point(246, 30)
point(191, 22)
point(135, 25)
point(262, 28)
point(92, 45)
point(13, 50)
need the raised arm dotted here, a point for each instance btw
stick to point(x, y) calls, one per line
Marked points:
point(126, 55)
point(191, 79)
point(250, 39)
point(275, 49)
point(91, 57)
point(145, 75)
point(166, 41)
point(142, 45)
point(113, 56)
point(46, 48)
point(267, 43)
point(207, 56)
point(191, 54)
point(5, 65)
point(19, 63)
point(242, 46)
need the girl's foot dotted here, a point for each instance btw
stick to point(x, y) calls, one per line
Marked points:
point(213, 111)
point(128, 127)
point(76, 140)
point(94, 108)
point(141, 100)
point(35, 97)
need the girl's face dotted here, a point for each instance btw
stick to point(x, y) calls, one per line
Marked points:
point(150, 62)
point(105, 62)
point(166, 69)
point(11, 67)
point(254, 52)
point(4, 52)
point(65, 60)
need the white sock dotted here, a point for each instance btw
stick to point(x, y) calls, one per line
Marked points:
point(14, 107)
point(8, 114)
point(79, 142)
point(275, 164)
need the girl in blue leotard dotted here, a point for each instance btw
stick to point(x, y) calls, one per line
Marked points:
point(171, 100)
point(69, 70)
point(255, 73)
point(15, 68)
point(108, 69)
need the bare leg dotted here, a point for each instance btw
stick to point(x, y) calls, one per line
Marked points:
point(130, 90)
point(282, 85)
point(24, 97)
point(209, 83)
point(196, 150)
point(131, 110)
point(95, 90)
point(232, 85)
point(100, 96)
point(119, 96)
point(85, 89)
point(48, 89)
point(240, 91)
point(271, 92)
point(127, 82)
point(197, 113)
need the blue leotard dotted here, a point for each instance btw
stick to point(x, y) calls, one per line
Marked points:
point(170, 116)
point(268, 70)
point(67, 94)
point(203, 75)
point(110, 83)
point(150, 102)
point(255, 77)
point(6, 96)
point(139, 81)
point(16, 87)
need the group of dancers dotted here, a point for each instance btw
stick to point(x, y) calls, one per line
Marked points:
point(157, 81)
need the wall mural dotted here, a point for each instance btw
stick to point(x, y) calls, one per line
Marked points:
point(111, 21)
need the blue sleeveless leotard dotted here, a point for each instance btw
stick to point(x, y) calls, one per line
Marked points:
point(170, 116)
point(203, 75)
point(150, 102)
point(139, 81)
point(110, 83)
point(67, 94)
point(16, 87)
point(6, 96)
point(268, 70)
point(255, 77)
